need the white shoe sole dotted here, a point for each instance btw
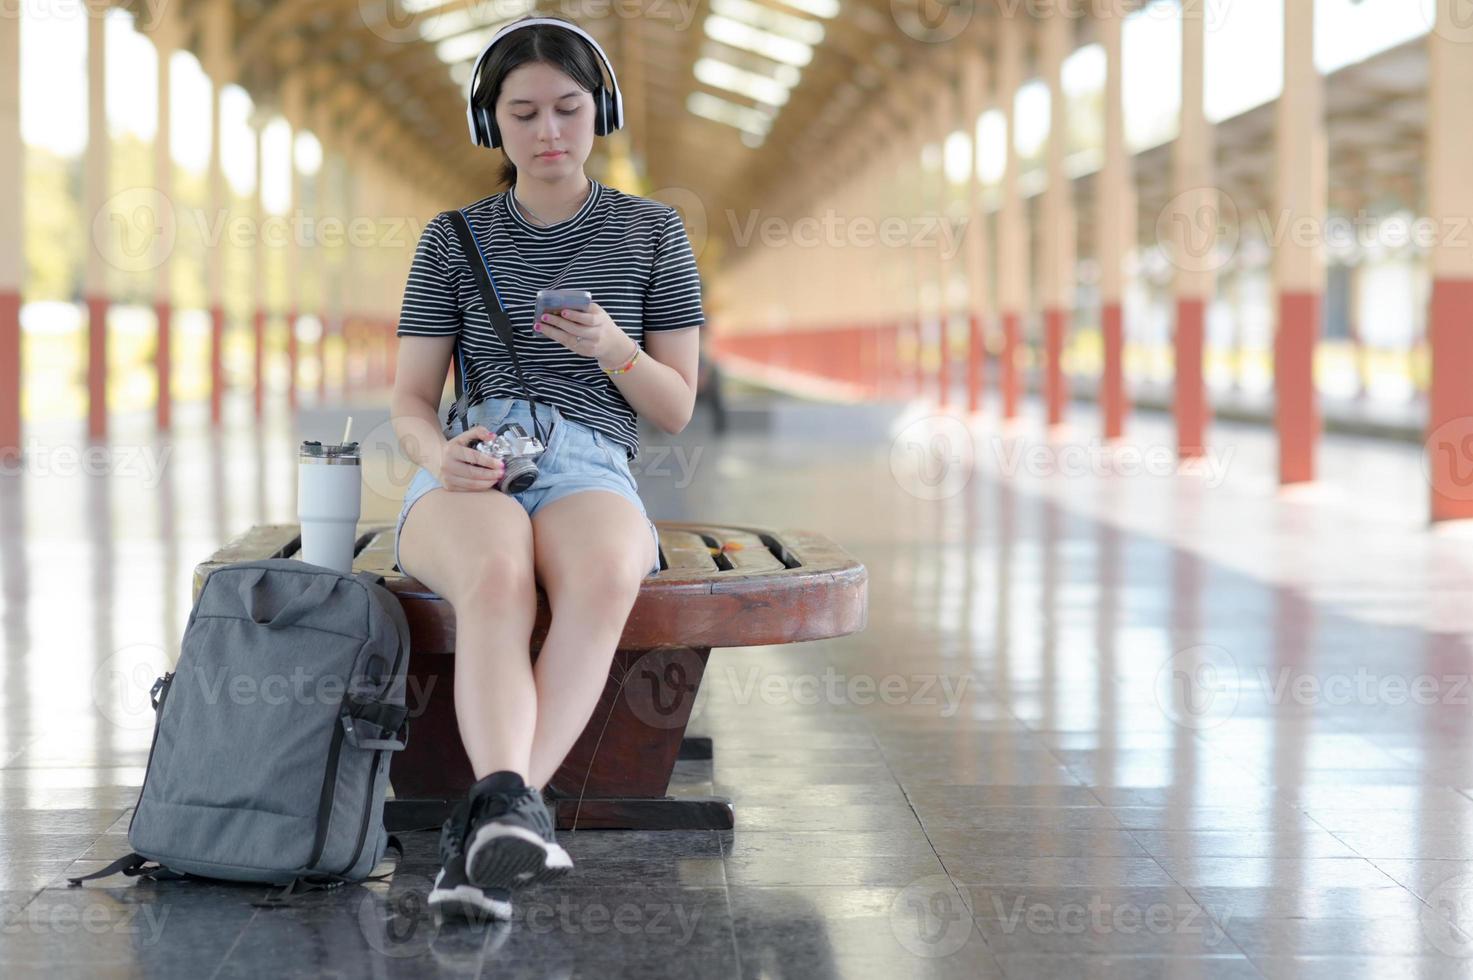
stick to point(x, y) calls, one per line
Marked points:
point(466, 901)
point(506, 856)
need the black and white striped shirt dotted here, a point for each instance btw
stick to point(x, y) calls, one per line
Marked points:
point(631, 253)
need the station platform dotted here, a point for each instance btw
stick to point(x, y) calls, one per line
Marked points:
point(1111, 716)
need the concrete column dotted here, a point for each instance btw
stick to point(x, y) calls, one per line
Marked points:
point(12, 227)
point(1302, 178)
point(94, 193)
point(293, 108)
point(1115, 226)
point(1193, 217)
point(941, 265)
point(976, 251)
point(1450, 319)
point(218, 64)
point(1012, 228)
point(1056, 275)
point(259, 257)
point(166, 42)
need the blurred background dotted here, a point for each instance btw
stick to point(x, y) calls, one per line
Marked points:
point(209, 198)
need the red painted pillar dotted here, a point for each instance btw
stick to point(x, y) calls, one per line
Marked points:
point(1194, 254)
point(291, 359)
point(217, 365)
point(322, 361)
point(1057, 266)
point(1115, 227)
point(1302, 176)
point(976, 363)
point(163, 369)
point(1296, 412)
point(10, 377)
point(1113, 401)
point(1009, 374)
point(943, 372)
point(1013, 240)
point(258, 326)
point(1450, 319)
point(97, 367)
point(1450, 404)
point(1190, 404)
point(1055, 392)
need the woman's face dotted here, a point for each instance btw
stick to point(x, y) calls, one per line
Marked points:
point(546, 121)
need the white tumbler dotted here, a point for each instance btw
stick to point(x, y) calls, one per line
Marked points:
point(329, 501)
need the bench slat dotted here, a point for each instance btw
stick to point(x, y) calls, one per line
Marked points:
point(686, 553)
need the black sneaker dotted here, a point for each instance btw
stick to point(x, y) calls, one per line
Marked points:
point(511, 840)
point(453, 894)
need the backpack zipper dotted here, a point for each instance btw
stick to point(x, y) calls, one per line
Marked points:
point(161, 689)
point(329, 788)
point(373, 770)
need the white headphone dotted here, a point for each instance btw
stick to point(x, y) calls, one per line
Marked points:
point(608, 106)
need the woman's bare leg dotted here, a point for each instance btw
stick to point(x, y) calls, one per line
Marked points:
point(592, 551)
point(475, 551)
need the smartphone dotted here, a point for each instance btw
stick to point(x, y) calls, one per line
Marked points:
point(552, 300)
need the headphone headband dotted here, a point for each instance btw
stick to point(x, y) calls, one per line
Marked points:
point(481, 135)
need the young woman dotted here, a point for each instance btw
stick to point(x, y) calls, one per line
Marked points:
point(580, 531)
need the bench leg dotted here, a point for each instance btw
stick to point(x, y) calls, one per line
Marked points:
point(617, 773)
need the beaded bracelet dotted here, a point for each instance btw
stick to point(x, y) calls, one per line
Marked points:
point(627, 364)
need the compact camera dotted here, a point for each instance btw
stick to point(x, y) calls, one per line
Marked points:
point(518, 453)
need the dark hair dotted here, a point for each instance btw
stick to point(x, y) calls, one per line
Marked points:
point(546, 43)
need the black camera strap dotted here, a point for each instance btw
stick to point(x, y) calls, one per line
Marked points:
point(491, 299)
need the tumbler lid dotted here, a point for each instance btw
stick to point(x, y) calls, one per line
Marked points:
point(313, 451)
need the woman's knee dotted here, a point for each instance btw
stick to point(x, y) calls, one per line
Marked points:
point(499, 571)
point(469, 548)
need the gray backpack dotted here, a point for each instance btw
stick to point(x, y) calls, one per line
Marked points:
point(272, 735)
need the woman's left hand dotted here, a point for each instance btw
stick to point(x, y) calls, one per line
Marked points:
point(591, 332)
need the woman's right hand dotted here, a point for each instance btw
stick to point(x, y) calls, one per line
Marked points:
point(463, 468)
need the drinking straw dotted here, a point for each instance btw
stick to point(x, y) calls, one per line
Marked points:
point(346, 429)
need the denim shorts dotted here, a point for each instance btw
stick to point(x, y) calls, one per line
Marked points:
point(576, 458)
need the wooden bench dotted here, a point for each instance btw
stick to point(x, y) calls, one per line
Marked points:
point(718, 586)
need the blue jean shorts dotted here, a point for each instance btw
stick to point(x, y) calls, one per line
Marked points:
point(576, 458)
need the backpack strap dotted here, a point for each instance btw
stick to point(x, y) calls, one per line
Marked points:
point(283, 899)
point(134, 865)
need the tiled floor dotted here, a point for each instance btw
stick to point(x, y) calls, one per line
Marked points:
point(1106, 721)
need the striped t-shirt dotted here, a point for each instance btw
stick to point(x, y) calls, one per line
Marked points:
point(630, 252)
